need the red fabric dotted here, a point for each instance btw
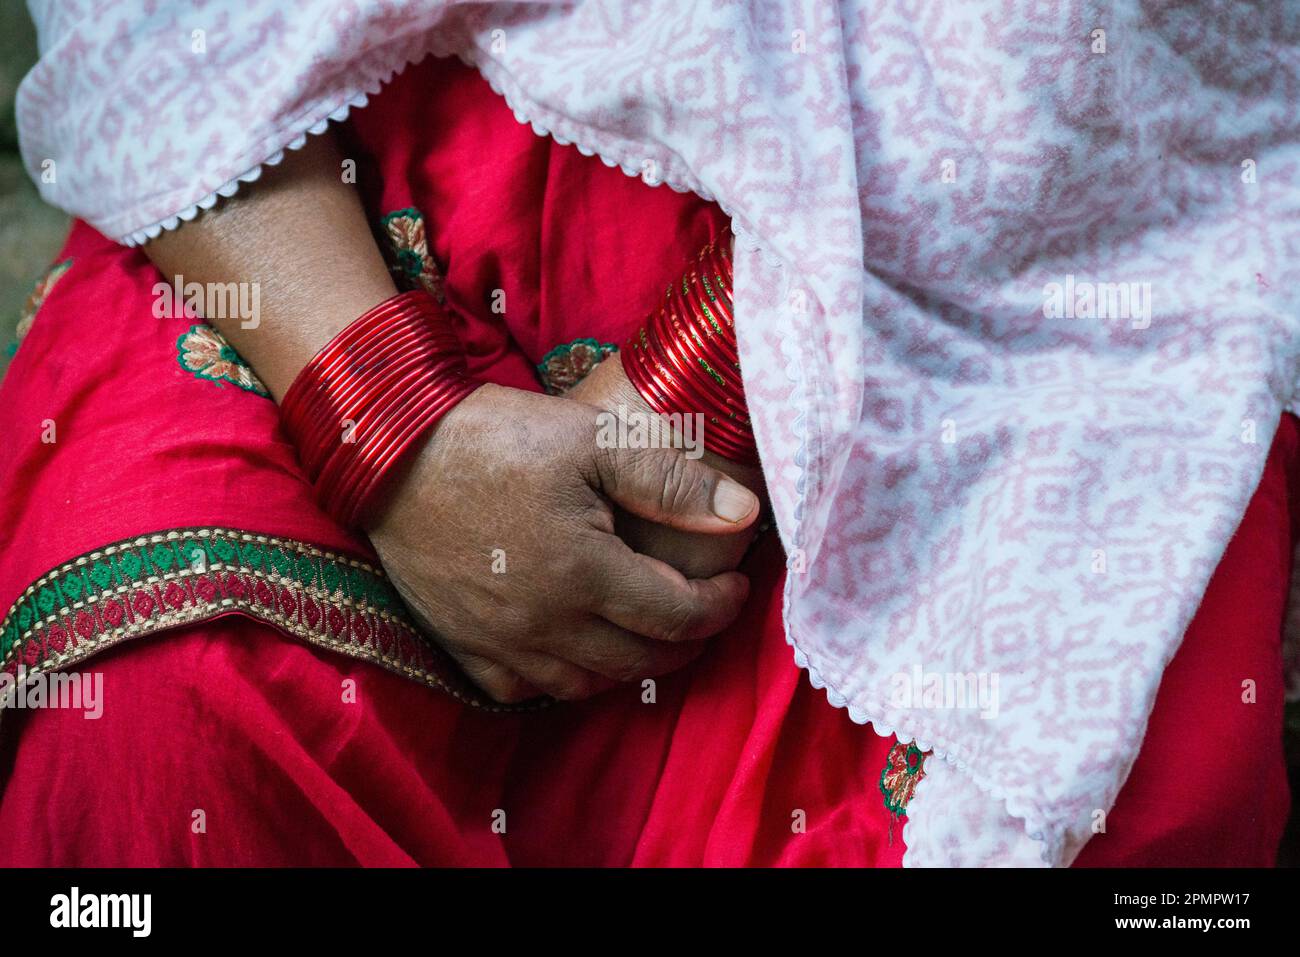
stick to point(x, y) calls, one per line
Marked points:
point(1210, 786)
point(251, 727)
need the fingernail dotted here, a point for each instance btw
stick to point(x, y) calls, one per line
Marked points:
point(732, 501)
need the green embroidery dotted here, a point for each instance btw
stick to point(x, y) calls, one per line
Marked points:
point(205, 352)
point(143, 585)
point(253, 554)
point(130, 564)
point(162, 556)
point(44, 286)
point(406, 247)
point(330, 577)
point(280, 562)
point(904, 770)
point(72, 586)
point(305, 571)
point(568, 364)
point(101, 573)
point(410, 264)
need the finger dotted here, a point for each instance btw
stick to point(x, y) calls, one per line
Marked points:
point(651, 598)
point(665, 486)
point(616, 653)
point(560, 679)
point(496, 680)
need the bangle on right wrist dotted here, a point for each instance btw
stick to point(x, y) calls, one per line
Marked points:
point(361, 405)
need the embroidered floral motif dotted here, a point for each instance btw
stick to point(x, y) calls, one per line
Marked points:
point(904, 770)
point(206, 353)
point(408, 252)
point(143, 585)
point(566, 365)
point(34, 302)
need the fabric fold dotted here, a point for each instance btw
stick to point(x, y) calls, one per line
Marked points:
point(1016, 288)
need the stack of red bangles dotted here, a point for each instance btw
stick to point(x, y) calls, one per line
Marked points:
point(369, 395)
point(684, 359)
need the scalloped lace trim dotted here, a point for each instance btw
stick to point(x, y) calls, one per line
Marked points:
point(497, 78)
point(230, 188)
point(547, 123)
point(1051, 843)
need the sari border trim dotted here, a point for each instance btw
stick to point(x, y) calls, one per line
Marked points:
point(149, 583)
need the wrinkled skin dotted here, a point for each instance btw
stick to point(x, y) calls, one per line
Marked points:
point(576, 609)
point(695, 555)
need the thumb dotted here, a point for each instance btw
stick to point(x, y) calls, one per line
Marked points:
point(664, 486)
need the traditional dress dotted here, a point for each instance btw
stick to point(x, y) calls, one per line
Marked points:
point(982, 460)
point(168, 540)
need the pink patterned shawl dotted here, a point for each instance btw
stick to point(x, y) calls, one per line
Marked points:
point(970, 478)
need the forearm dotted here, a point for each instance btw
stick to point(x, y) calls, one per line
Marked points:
point(301, 235)
point(506, 473)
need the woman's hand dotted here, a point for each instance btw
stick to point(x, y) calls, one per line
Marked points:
point(694, 555)
point(575, 609)
point(502, 542)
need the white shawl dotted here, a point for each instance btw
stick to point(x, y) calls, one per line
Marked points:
point(986, 458)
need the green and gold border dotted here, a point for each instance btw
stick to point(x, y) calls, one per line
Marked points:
point(141, 586)
point(570, 362)
point(904, 770)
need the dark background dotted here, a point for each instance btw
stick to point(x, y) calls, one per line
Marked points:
point(31, 232)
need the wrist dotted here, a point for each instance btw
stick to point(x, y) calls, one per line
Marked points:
point(607, 387)
point(368, 400)
point(684, 359)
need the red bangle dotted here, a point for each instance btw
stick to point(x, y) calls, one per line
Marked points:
point(363, 402)
point(684, 359)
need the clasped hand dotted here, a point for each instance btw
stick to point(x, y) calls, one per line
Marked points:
point(544, 564)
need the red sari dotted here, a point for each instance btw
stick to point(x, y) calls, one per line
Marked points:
point(267, 702)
